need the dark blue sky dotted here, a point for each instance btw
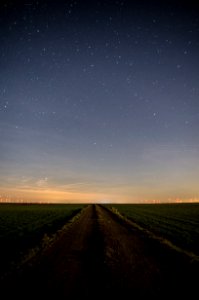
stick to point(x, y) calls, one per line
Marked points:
point(99, 101)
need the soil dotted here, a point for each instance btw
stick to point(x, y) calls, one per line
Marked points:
point(100, 256)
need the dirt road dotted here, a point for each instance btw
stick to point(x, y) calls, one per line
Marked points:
point(100, 255)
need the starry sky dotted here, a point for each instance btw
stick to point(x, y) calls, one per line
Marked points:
point(99, 101)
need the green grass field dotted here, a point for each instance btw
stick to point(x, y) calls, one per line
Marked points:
point(179, 223)
point(23, 227)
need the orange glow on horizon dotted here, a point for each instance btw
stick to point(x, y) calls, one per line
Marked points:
point(43, 192)
point(50, 196)
point(57, 196)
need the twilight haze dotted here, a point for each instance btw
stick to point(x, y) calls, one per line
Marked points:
point(99, 101)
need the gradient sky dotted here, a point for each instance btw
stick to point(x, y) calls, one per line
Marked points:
point(99, 101)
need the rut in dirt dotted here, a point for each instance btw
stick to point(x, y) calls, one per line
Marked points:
point(100, 255)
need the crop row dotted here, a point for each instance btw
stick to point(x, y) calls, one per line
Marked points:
point(178, 223)
point(23, 226)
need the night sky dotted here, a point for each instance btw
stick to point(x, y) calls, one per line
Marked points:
point(99, 101)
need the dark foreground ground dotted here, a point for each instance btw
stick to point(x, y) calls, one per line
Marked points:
point(100, 256)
